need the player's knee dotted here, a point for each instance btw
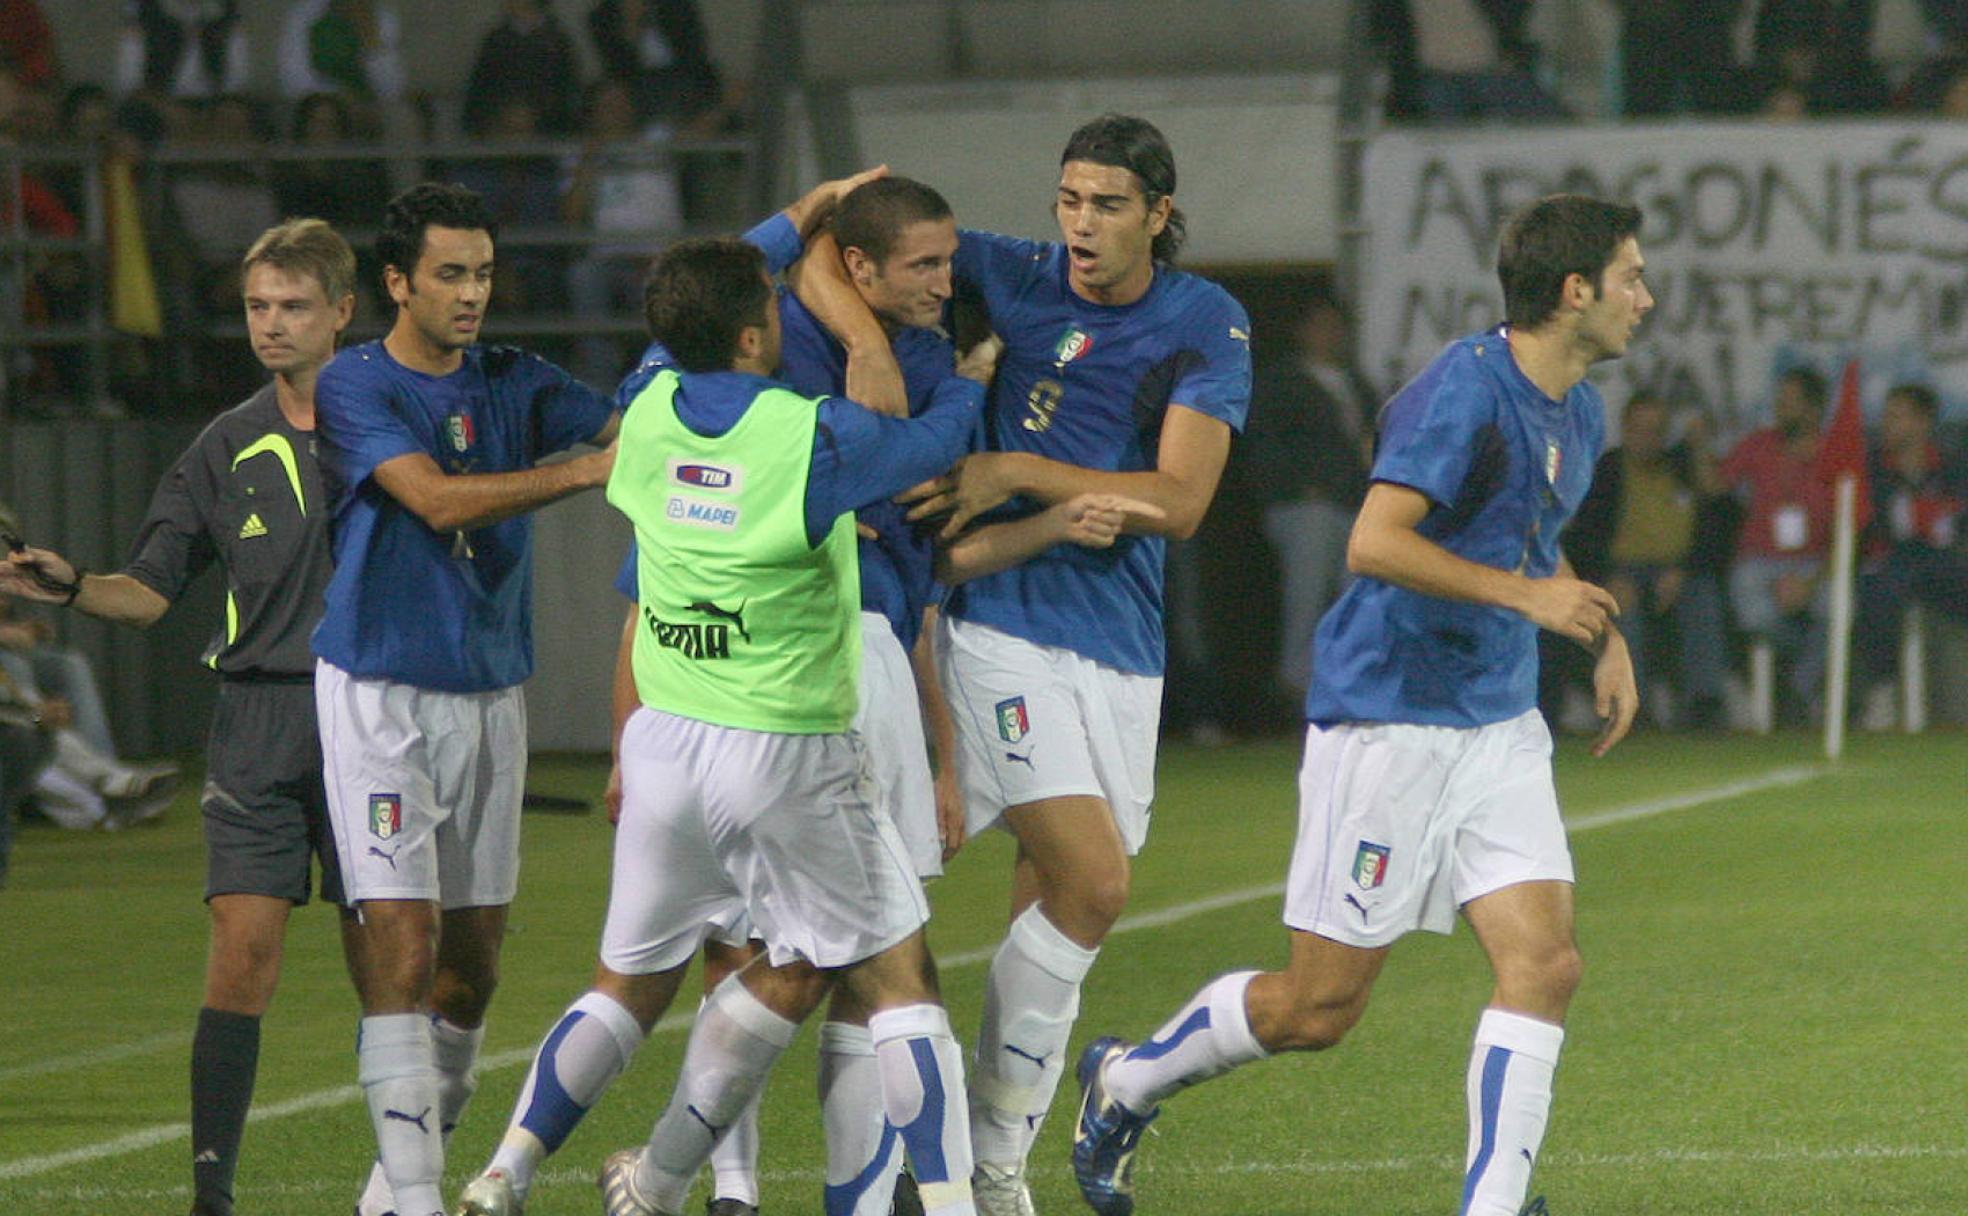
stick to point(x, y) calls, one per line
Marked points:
point(1544, 981)
point(1087, 909)
point(462, 993)
point(1316, 1022)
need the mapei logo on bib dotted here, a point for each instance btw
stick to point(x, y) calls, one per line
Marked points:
point(1370, 865)
point(700, 476)
point(1013, 724)
point(385, 815)
point(459, 428)
point(695, 513)
point(1072, 344)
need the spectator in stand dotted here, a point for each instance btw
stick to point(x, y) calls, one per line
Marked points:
point(347, 193)
point(520, 192)
point(354, 47)
point(622, 185)
point(1462, 59)
point(1821, 49)
point(1776, 586)
point(1308, 449)
point(33, 285)
point(184, 48)
point(216, 201)
point(1676, 57)
point(527, 56)
point(1911, 547)
point(658, 49)
point(28, 42)
point(1636, 536)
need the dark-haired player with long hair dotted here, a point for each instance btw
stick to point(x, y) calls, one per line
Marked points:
point(1121, 375)
point(432, 446)
point(1425, 788)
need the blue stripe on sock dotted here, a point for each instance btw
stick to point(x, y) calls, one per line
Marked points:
point(1155, 1049)
point(553, 1114)
point(924, 1134)
point(1495, 1064)
point(840, 1200)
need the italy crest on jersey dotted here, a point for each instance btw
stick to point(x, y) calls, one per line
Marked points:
point(1072, 344)
point(1013, 724)
point(385, 815)
point(1370, 865)
point(459, 428)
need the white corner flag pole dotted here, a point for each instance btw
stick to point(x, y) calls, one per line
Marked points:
point(1838, 639)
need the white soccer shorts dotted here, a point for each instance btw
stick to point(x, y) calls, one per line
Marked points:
point(1401, 825)
point(1036, 722)
point(783, 829)
point(890, 724)
point(424, 788)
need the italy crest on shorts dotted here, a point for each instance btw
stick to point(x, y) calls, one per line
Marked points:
point(1370, 865)
point(1013, 724)
point(459, 428)
point(385, 815)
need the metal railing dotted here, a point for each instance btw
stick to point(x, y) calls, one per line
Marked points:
point(88, 337)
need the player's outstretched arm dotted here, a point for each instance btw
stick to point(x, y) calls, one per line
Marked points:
point(1188, 465)
point(874, 377)
point(459, 502)
point(1092, 521)
point(1385, 545)
point(46, 577)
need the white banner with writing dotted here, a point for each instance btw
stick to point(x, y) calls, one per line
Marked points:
point(1766, 246)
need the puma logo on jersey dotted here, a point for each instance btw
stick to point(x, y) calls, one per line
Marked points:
point(252, 527)
point(735, 615)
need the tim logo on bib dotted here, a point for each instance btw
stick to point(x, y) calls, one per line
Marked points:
point(1013, 724)
point(385, 815)
point(1370, 865)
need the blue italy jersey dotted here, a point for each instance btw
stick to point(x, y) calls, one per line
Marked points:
point(1503, 467)
point(898, 566)
point(1089, 384)
point(449, 611)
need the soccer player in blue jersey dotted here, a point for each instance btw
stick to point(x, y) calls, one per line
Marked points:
point(433, 445)
point(1426, 783)
point(898, 237)
point(1125, 376)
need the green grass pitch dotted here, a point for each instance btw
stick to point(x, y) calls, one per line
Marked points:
point(1772, 1020)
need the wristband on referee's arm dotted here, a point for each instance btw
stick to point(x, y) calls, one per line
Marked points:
point(72, 589)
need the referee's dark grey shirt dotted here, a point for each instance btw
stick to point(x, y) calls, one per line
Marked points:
point(247, 493)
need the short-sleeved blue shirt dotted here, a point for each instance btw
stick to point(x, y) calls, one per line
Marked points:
point(448, 611)
point(1503, 467)
point(1089, 384)
point(898, 567)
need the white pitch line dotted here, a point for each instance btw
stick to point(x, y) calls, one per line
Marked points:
point(165, 1133)
point(77, 1061)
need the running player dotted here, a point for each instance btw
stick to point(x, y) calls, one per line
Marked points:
point(248, 493)
point(1426, 784)
point(433, 444)
point(1123, 376)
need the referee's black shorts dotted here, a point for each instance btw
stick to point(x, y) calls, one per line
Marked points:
point(266, 813)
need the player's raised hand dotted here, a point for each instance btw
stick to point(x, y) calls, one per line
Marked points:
point(40, 575)
point(980, 362)
point(1615, 691)
point(817, 204)
point(1094, 521)
point(1571, 607)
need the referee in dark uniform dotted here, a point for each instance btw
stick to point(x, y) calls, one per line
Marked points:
point(248, 494)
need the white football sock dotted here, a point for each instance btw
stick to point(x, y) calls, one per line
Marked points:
point(922, 1086)
point(1031, 997)
point(732, 1047)
point(584, 1052)
point(1209, 1037)
point(400, 1082)
point(864, 1154)
point(1510, 1070)
point(455, 1052)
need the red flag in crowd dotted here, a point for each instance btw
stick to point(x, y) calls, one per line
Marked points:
point(1843, 449)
